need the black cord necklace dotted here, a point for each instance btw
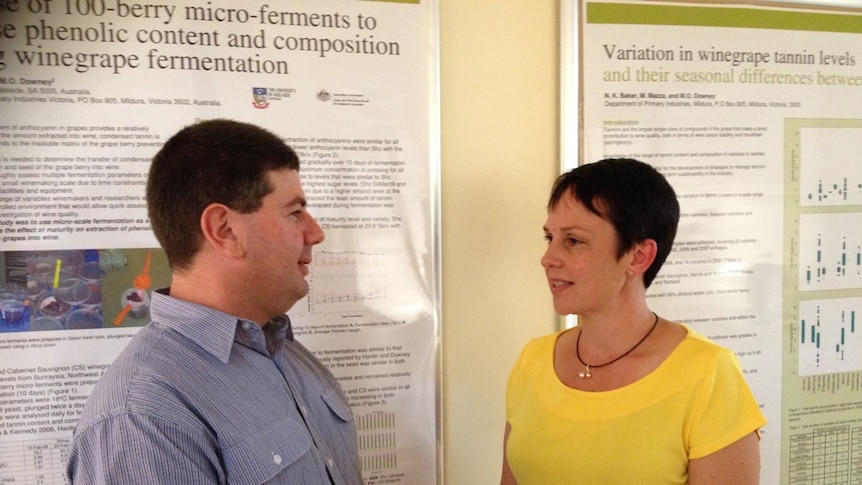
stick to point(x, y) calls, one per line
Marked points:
point(586, 374)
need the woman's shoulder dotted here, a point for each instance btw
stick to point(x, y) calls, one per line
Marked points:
point(544, 343)
point(699, 341)
point(539, 350)
point(696, 347)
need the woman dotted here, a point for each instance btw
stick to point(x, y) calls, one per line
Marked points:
point(626, 396)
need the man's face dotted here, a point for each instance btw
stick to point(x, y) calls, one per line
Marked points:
point(278, 243)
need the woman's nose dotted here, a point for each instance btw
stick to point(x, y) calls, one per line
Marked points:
point(549, 258)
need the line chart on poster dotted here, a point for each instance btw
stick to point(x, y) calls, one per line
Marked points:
point(346, 281)
point(328, 263)
point(346, 293)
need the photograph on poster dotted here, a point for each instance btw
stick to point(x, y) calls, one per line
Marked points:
point(76, 289)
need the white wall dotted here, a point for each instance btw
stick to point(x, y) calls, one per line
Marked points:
point(500, 153)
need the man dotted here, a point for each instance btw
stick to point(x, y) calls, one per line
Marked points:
point(215, 389)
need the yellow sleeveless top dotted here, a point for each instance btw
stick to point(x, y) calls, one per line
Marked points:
point(694, 404)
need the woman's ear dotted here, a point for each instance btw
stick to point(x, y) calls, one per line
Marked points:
point(220, 231)
point(643, 255)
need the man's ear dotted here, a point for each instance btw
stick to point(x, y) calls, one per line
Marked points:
point(218, 224)
point(643, 255)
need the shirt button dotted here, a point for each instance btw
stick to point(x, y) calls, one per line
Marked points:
point(303, 410)
point(246, 325)
point(331, 462)
point(276, 459)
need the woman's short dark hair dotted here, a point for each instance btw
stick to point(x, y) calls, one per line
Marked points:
point(215, 161)
point(635, 198)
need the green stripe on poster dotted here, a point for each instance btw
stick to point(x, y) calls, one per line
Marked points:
point(715, 16)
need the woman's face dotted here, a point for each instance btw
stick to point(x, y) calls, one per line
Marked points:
point(581, 264)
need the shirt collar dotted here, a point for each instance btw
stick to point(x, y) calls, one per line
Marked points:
point(280, 328)
point(212, 329)
point(277, 331)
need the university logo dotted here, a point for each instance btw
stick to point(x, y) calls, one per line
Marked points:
point(323, 95)
point(260, 97)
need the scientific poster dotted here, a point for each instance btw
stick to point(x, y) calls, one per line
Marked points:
point(90, 89)
point(754, 114)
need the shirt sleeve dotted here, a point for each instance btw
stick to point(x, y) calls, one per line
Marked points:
point(726, 409)
point(515, 383)
point(136, 449)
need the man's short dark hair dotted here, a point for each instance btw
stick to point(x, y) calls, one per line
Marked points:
point(215, 161)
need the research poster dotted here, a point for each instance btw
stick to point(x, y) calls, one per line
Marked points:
point(754, 114)
point(89, 91)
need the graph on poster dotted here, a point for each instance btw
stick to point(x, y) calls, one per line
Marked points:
point(828, 246)
point(830, 336)
point(347, 262)
point(830, 251)
point(346, 281)
point(376, 439)
point(828, 173)
point(346, 293)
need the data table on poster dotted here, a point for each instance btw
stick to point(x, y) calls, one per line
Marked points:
point(33, 462)
point(831, 455)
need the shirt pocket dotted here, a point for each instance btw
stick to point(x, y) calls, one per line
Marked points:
point(266, 454)
point(334, 400)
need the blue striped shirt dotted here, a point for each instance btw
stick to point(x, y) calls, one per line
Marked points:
point(196, 398)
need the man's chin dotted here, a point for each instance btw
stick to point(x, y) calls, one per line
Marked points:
point(301, 291)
